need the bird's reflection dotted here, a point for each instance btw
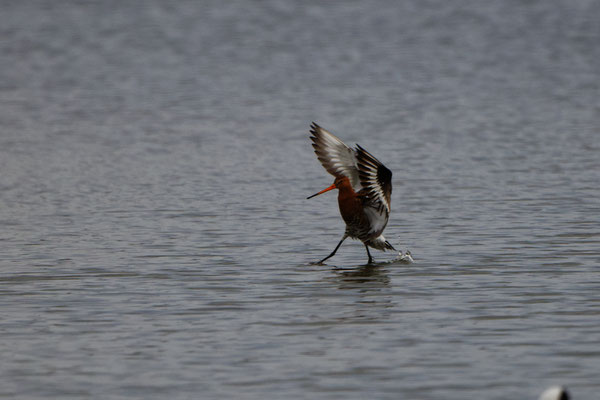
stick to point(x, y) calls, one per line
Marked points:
point(366, 290)
point(367, 276)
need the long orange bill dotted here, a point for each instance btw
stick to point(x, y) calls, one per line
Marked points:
point(322, 191)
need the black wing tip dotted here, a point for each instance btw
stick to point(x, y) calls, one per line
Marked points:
point(364, 154)
point(366, 159)
point(384, 172)
point(315, 130)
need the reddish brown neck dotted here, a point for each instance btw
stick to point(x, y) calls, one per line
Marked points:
point(350, 206)
point(345, 188)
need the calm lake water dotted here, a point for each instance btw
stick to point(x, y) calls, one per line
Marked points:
point(156, 241)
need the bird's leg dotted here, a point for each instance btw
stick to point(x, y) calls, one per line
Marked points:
point(369, 254)
point(334, 250)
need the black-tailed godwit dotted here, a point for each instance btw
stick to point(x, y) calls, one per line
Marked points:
point(365, 187)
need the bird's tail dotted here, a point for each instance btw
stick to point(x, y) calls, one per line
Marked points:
point(380, 243)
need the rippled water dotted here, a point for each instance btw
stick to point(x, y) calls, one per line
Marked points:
point(156, 241)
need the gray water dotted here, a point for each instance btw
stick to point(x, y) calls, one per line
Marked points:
point(156, 241)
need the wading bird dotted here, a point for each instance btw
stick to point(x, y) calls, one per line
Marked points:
point(364, 185)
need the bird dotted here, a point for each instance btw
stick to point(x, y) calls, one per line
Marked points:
point(555, 393)
point(364, 185)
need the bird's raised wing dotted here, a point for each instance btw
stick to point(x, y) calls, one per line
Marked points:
point(375, 179)
point(337, 158)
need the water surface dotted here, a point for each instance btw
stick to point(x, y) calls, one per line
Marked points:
point(156, 241)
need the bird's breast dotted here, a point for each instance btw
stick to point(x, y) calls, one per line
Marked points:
point(351, 208)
